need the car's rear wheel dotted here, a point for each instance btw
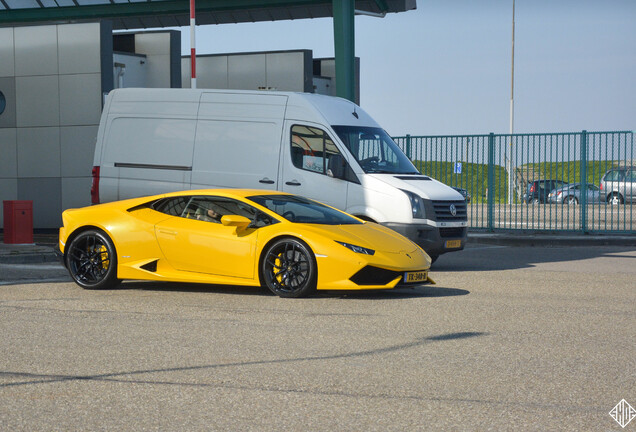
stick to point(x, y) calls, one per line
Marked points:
point(615, 199)
point(571, 200)
point(289, 269)
point(91, 260)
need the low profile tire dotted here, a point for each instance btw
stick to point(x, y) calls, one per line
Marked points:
point(91, 260)
point(572, 201)
point(289, 269)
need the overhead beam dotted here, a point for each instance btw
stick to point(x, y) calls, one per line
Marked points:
point(123, 10)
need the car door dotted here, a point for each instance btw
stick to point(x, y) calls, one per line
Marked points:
point(198, 242)
point(305, 166)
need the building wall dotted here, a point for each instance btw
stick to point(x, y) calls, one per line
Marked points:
point(161, 53)
point(275, 70)
point(51, 77)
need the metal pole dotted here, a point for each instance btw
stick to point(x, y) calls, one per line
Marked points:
point(583, 181)
point(344, 41)
point(491, 181)
point(193, 51)
point(512, 106)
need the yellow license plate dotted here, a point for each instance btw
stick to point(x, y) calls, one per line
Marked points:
point(450, 244)
point(414, 277)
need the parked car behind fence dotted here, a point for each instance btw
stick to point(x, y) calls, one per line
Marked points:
point(618, 185)
point(571, 194)
point(538, 190)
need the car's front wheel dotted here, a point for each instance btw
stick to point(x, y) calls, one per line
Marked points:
point(91, 260)
point(288, 268)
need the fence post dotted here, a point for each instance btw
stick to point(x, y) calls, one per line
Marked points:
point(408, 146)
point(583, 181)
point(491, 181)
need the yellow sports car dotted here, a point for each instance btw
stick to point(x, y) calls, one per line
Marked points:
point(287, 243)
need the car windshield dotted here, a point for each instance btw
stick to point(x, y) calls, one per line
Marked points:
point(298, 209)
point(374, 150)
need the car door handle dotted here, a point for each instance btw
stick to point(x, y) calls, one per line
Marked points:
point(266, 181)
point(292, 183)
point(174, 233)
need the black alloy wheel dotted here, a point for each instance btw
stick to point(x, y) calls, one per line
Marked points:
point(91, 260)
point(288, 268)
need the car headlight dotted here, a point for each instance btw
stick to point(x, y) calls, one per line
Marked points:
point(357, 249)
point(417, 204)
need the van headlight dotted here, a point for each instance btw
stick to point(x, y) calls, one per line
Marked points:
point(417, 204)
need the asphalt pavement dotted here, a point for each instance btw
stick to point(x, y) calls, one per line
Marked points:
point(510, 338)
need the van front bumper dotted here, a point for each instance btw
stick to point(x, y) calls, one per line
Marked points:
point(434, 240)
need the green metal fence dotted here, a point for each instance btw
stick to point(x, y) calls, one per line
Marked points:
point(498, 172)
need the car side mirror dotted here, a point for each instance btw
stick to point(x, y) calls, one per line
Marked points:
point(336, 167)
point(240, 222)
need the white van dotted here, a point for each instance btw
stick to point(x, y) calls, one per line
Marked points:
point(152, 141)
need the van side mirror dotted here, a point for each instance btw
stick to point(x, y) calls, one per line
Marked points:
point(336, 167)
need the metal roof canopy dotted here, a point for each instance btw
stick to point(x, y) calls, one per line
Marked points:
point(139, 14)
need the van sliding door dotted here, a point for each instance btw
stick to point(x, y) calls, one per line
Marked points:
point(237, 142)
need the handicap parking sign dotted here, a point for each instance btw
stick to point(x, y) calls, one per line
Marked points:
point(458, 168)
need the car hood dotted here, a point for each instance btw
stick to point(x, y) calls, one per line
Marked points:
point(369, 235)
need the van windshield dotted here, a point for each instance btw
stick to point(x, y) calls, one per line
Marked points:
point(374, 150)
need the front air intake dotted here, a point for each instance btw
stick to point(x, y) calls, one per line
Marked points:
point(370, 275)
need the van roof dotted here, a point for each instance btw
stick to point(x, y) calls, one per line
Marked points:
point(300, 106)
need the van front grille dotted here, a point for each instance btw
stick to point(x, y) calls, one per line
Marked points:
point(443, 210)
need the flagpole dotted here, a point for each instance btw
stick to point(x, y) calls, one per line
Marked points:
point(193, 51)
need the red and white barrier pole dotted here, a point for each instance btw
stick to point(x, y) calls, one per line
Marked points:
point(193, 51)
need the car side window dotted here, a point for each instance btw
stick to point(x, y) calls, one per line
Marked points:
point(631, 176)
point(614, 175)
point(311, 148)
point(171, 206)
point(212, 209)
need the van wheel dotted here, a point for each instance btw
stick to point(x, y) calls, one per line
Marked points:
point(615, 199)
point(289, 268)
point(91, 260)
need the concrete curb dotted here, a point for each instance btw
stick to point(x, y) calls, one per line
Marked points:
point(29, 258)
point(544, 240)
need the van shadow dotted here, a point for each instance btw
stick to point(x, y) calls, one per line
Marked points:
point(481, 257)
point(394, 294)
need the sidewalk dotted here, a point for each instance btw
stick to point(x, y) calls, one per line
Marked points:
point(42, 249)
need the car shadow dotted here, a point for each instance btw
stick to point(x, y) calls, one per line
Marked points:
point(398, 293)
point(394, 294)
point(480, 257)
point(194, 288)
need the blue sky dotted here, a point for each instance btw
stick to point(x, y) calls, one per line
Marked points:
point(445, 68)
